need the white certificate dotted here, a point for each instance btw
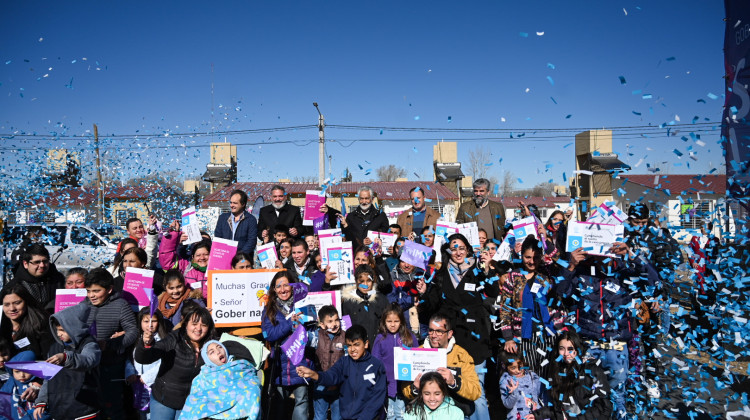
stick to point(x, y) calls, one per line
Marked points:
point(594, 238)
point(408, 363)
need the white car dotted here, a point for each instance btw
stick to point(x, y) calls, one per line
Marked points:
point(70, 245)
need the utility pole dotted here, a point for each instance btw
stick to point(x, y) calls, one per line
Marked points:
point(99, 191)
point(321, 146)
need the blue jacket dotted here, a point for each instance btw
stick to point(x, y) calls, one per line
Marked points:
point(246, 233)
point(523, 400)
point(363, 392)
point(603, 303)
point(278, 334)
point(20, 409)
point(383, 351)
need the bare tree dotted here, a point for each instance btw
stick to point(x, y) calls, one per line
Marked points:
point(508, 184)
point(390, 173)
point(479, 161)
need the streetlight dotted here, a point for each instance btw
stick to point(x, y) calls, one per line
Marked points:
point(321, 145)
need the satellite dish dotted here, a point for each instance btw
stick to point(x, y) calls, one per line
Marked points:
point(259, 202)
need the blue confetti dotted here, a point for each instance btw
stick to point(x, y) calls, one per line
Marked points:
point(552, 82)
point(622, 80)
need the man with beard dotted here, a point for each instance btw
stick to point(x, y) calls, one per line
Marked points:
point(365, 217)
point(489, 215)
point(418, 217)
point(279, 212)
point(39, 276)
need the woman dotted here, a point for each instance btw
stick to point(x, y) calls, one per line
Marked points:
point(579, 389)
point(24, 323)
point(194, 269)
point(76, 278)
point(135, 257)
point(124, 245)
point(488, 251)
point(278, 322)
point(181, 361)
point(527, 319)
point(557, 231)
point(242, 261)
point(458, 290)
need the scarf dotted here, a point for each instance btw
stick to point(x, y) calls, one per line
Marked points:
point(457, 271)
point(174, 304)
point(534, 309)
point(285, 306)
point(199, 268)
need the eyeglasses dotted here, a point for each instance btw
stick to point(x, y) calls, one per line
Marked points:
point(437, 332)
point(45, 262)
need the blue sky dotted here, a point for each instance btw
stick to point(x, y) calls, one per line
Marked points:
point(145, 68)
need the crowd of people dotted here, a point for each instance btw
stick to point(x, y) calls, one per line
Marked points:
point(531, 331)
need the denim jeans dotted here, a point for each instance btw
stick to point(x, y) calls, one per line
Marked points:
point(160, 411)
point(616, 363)
point(396, 407)
point(322, 399)
point(300, 400)
point(481, 412)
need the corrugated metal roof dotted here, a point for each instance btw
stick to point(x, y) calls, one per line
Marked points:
point(383, 190)
point(677, 184)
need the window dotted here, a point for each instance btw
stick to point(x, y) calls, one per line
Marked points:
point(692, 215)
point(55, 235)
point(122, 216)
point(81, 236)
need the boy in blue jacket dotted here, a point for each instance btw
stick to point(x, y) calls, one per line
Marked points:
point(17, 384)
point(362, 378)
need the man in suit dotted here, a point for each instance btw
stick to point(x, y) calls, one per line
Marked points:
point(238, 224)
point(279, 212)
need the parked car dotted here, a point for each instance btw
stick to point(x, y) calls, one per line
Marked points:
point(70, 245)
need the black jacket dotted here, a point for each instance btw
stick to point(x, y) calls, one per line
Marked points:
point(179, 365)
point(113, 316)
point(465, 306)
point(43, 289)
point(591, 396)
point(289, 216)
point(359, 223)
point(72, 393)
point(308, 272)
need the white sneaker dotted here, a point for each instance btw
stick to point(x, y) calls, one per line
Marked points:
point(652, 388)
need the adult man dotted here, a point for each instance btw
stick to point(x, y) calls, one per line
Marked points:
point(300, 265)
point(238, 224)
point(365, 217)
point(418, 217)
point(460, 375)
point(39, 276)
point(489, 215)
point(279, 212)
point(604, 289)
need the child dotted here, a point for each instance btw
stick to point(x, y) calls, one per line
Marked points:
point(17, 384)
point(363, 303)
point(225, 389)
point(393, 333)
point(139, 376)
point(330, 350)
point(115, 331)
point(175, 295)
point(433, 402)
point(361, 377)
point(72, 393)
point(520, 388)
point(5, 351)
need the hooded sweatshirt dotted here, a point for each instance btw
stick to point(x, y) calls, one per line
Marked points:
point(21, 410)
point(228, 391)
point(72, 393)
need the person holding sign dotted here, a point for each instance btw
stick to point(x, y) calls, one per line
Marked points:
point(460, 374)
point(527, 321)
point(194, 269)
point(279, 212)
point(489, 215)
point(278, 322)
point(459, 290)
point(135, 258)
point(238, 224)
point(604, 289)
point(24, 323)
point(362, 378)
point(365, 217)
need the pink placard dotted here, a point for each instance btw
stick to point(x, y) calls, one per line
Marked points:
point(222, 252)
point(136, 280)
point(313, 201)
point(65, 298)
